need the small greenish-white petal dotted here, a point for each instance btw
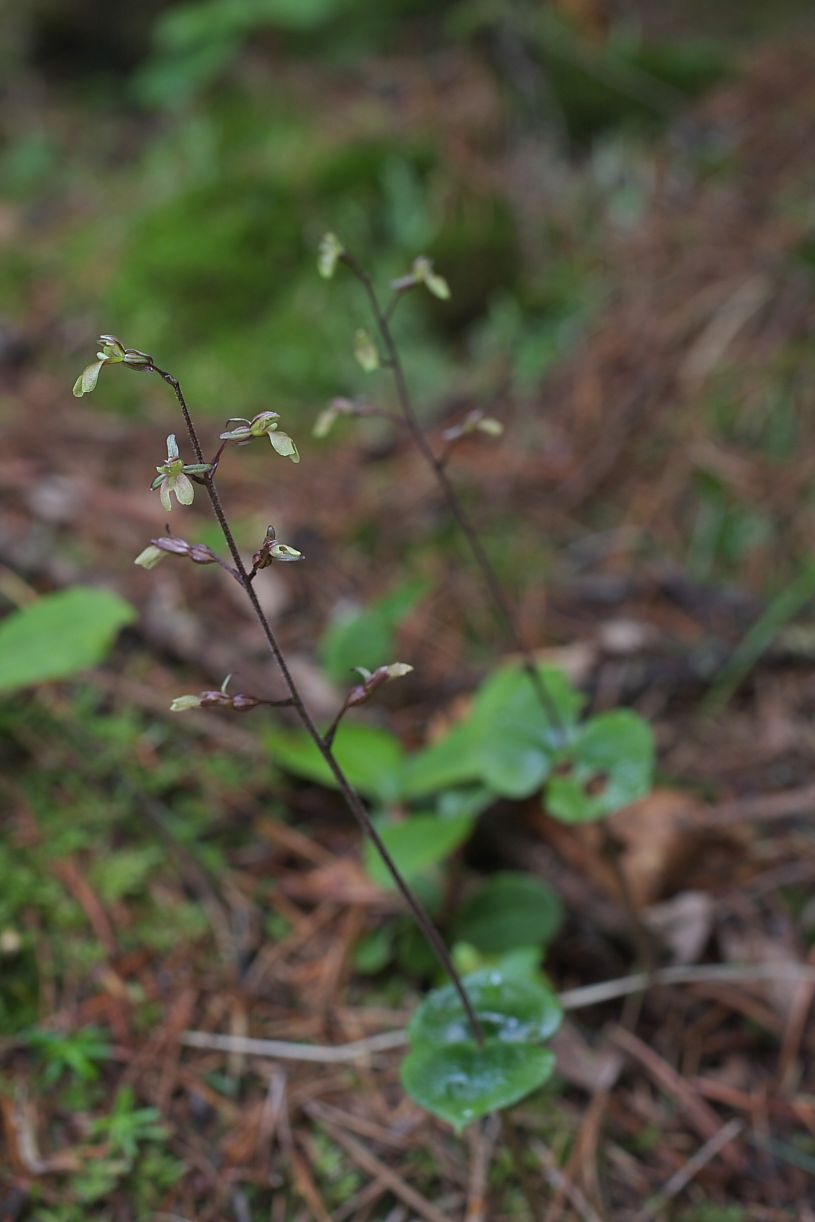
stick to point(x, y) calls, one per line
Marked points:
point(239, 434)
point(182, 703)
point(165, 495)
point(86, 382)
point(150, 557)
point(397, 670)
point(282, 551)
point(113, 348)
point(324, 422)
point(438, 286)
point(264, 423)
point(184, 489)
point(490, 426)
point(365, 351)
point(172, 448)
point(284, 445)
point(331, 248)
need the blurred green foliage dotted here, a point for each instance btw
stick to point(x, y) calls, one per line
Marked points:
point(195, 217)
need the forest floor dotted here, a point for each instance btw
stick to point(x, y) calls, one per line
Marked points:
point(165, 895)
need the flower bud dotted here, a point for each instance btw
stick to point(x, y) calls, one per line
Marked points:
point(242, 703)
point(137, 360)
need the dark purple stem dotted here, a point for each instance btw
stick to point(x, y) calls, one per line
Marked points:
point(352, 799)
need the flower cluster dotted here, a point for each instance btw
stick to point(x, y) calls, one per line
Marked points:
point(263, 425)
point(173, 476)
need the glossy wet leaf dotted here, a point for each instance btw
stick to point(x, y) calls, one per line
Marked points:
point(511, 910)
point(612, 764)
point(511, 1009)
point(461, 1082)
point(59, 635)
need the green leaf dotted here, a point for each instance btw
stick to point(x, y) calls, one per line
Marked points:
point(511, 910)
point(462, 1082)
point(366, 637)
point(416, 844)
point(371, 758)
point(507, 741)
point(59, 635)
point(454, 760)
point(612, 762)
point(510, 1008)
point(375, 950)
point(449, 1075)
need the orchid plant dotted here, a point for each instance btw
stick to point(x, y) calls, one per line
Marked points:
point(476, 1045)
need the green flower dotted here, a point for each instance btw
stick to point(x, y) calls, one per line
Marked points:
point(263, 425)
point(111, 352)
point(173, 476)
point(423, 274)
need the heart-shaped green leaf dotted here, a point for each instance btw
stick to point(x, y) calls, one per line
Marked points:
point(461, 1082)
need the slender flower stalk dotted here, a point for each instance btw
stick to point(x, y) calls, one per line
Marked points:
point(477, 422)
point(295, 699)
point(438, 463)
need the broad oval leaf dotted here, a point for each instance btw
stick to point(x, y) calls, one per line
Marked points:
point(59, 635)
point(371, 758)
point(511, 1009)
point(461, 1082)
point(416, 844)
point(511, 910)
